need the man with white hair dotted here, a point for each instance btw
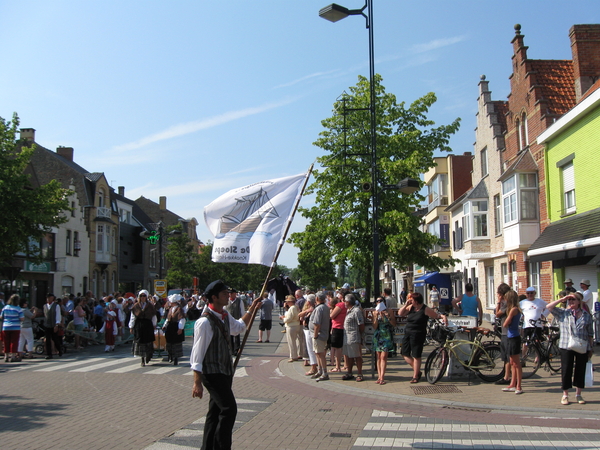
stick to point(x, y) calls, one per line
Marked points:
point(319, 332)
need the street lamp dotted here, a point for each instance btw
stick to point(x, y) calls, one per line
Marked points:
point(333, 13)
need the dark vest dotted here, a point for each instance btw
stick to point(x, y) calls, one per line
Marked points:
point(235, 308)
point(218, 354)
point(50, 314)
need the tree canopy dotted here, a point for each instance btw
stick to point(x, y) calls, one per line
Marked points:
point(340, 220)
point(28, 212)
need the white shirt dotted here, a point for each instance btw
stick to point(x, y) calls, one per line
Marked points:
point(588, 299)
point(533, 310)
point(203, 334)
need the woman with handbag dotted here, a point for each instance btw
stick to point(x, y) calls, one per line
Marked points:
point(576, 341)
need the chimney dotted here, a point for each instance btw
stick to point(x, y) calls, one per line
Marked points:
point(65, 152)
point(162, 203)
point(28, 134)
point(121, 190)
point(585, 47)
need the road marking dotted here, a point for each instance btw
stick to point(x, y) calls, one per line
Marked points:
point(64, 366)
point(89, 368)
point(161, 370)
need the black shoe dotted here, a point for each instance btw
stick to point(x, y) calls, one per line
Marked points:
point(502, 381)
point(175, 362)
point(48, 357)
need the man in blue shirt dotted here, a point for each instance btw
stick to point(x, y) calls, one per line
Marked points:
point(99, 314)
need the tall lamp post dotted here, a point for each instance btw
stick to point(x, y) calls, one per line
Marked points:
point(333, 13)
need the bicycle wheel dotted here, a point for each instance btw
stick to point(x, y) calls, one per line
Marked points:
point(489, 363)
point(436, 364)
point(530, 360)
point(553, 356)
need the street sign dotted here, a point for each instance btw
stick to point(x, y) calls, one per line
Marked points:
point(160, 288)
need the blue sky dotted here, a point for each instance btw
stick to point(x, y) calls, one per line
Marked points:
point(190, 99)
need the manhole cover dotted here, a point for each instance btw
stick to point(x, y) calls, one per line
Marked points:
point(436, 389)
point(340, 435)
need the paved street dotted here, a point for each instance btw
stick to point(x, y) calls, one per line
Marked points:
point(93, 400)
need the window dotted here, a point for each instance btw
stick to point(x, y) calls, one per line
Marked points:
point(76, 243)
point(68, 243)
point(497, 215)
point(484, 162)
point(514, 274)
point(504, 273)
point(100, 238)
point(529, 195)
point(72, 209)
point(475, 219)
point(490, 294)
point(509, 200)
point(437, 191)
point(101, 198)
point(47, 247)
point(568, 184)
point(458, 236)
point(466, 222)
point(522, 132)
point(534, 278)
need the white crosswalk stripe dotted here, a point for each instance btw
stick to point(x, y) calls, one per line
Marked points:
point(387, 430)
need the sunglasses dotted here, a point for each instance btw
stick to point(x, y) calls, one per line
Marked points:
point(143, 295)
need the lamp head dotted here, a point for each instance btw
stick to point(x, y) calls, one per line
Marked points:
point(334, 12)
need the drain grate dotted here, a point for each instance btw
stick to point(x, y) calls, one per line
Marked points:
point(468, 409)
point(341, 435)
point(325, 410)
point(436, 389)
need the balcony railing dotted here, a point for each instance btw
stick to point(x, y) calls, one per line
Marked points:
point(102, 211)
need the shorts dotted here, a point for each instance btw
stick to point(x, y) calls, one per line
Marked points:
point(504, 355)
point(337, 337)
point(352, 350)
point(514, 346)
point(265, 324)
point(319, 346)
point(412, 345)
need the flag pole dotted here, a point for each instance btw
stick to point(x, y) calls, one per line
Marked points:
point(273, 264)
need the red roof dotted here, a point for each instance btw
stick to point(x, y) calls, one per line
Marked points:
point(556, 80)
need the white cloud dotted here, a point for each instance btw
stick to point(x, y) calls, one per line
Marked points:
point(307, 77)
point(191, 127)
point(437, 43)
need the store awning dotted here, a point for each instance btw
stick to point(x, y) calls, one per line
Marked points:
point(432, 278)
point(571, 241)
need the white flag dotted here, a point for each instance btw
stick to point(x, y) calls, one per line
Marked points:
point(248, 222)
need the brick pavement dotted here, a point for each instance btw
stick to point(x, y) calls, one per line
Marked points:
point(285, 410)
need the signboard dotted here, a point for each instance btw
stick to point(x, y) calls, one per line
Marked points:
point(463, 321)
point(32, 267)
point(398, 329)
point(160, 288)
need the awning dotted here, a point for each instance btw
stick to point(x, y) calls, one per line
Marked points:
point(432, 278)
point(571, 241)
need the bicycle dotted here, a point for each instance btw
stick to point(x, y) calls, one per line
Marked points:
point(538, 351)
point(483, 358)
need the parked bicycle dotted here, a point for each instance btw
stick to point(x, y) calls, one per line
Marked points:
point(482, 358)
point(537, 352)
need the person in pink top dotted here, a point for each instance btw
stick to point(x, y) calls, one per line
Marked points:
point(338, 314)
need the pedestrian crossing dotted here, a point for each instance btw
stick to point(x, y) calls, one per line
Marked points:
point(113, 364)
point(387, 430)
point(190, 436)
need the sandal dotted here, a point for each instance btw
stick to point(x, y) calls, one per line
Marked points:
point(335, 370)
point(310, 373)
point(414, 380)
point(359, 378)
point(347, 377)
point(258, 341)
point(382, 382)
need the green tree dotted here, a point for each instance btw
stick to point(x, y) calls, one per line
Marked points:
point(27, 212)
point(181, 256)
point(315, 266)
point(340, 220)
point(243, 277)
